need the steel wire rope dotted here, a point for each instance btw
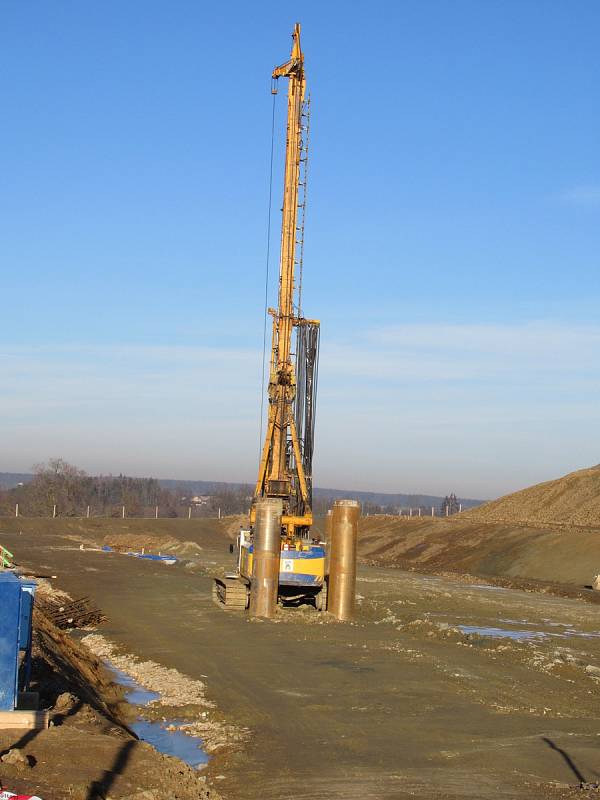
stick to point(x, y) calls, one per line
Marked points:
point(268, 257)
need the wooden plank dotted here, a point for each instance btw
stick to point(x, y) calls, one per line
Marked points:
point(29, 720)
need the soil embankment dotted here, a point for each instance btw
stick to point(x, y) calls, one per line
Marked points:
point(131, 533)
point(549, 533)
point(572, 500)
point(493, 550)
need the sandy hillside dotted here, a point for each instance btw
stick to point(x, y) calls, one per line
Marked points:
point(571, 500)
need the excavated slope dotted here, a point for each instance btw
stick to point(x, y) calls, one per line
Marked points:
point(569, 555)
point(571, 500)
point(549, 532)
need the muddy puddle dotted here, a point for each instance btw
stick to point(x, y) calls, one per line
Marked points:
point(486, 587)
point(502, 633)
point(166, 736)
point(526, 635)
point(135, 694)
point(171, 742)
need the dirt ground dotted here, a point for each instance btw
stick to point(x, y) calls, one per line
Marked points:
point(401, 703)
point(89, 751)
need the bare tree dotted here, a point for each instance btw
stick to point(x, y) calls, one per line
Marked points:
point(57, 483)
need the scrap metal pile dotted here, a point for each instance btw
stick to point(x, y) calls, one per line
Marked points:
point(75, 614)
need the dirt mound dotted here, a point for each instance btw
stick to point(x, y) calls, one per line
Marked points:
point(501, 550)
point(231, 525)
point(72, 666)
point(571, 500)
point(549, 532)
point(136, 542)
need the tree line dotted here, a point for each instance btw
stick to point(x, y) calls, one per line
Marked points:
point(62, 488)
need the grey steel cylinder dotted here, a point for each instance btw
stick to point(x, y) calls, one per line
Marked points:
point(267, 552)
point(342, 559)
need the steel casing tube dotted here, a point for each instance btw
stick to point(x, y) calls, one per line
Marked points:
point(267, 552)
point(327, 538)
point(342, 559)
point(328, 526)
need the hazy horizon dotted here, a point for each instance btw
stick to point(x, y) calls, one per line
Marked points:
point(187, 479)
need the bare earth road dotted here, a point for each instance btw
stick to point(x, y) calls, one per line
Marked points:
point(398, 704)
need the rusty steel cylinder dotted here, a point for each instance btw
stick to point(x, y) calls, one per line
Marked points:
point(328, 526)
point(327, 538)
point(342, 559)
point(265, 562)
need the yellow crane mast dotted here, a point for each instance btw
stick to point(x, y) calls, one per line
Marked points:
point(285, 455)
point(285, 470)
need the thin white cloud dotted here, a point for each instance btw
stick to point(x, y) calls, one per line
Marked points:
point(582, 195)
point(439, 352)
point(407, 407)
point(118, 379)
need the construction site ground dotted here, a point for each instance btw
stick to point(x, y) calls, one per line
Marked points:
point(445, 686)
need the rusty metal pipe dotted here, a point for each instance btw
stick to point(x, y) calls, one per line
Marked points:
point(327, 538)
point(328, 526)
point(342, 559)
point(267, 552)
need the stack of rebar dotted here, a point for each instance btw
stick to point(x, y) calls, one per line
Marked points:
point(74, 614)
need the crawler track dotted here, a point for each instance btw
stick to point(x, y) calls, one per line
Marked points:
point(230, 593)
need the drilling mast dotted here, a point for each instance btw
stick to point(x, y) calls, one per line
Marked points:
point(285, 469)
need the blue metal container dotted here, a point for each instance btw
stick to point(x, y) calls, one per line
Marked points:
point(28, 591)
point(10, 603)
point(16, 608)
point(28, 588)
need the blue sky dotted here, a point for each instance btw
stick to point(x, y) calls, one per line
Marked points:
point(452, 241)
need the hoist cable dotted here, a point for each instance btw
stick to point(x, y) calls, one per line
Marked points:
point(268, 257)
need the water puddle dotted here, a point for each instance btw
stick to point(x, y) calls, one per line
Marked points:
point(502, 633)
point(135, 694)
point(521, 635)
point(164, 735)
point(171, 742)
point(487, 586)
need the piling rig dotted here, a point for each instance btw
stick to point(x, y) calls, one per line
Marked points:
point(285, 469)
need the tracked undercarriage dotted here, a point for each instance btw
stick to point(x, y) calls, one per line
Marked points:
point(231, 592)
